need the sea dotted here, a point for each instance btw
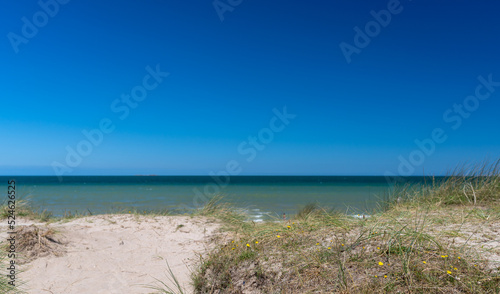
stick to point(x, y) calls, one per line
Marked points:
point(260, 197)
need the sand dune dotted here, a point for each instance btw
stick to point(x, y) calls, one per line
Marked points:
point(117, 254)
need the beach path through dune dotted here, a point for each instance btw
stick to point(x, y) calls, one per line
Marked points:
point(119, 254)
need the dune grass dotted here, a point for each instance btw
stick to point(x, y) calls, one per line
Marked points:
point(26, 210)
point(467, 184)
point(165, 288)
point(440, 237)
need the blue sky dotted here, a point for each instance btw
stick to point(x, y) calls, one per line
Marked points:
point(227, 78)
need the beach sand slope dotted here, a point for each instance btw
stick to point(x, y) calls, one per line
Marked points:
point(119, 254)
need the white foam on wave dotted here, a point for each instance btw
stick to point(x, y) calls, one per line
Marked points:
point(255, 214)
point(360, 216)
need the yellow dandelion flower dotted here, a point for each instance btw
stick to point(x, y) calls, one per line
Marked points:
point(449, 273)
point(424, 262)
point(317, 244)
point(342, 244)
point(363, 247)
point(277, 236)
point(455, 268)
point(248, 245)
point(475, 265)
point(232, 248)
point(129, 211)
point(380, 263)
point(329, 248)
point(288, 227)
point(293, 223)
point(385, 276)
point(232, 241)
point(378, 248)
point(376, 277)
point(459, 257)
point(256, 242)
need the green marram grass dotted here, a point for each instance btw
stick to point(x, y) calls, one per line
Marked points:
point(408, 246)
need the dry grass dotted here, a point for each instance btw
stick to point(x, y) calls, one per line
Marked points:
point(31, 242)
point(34, 242)
point(352, 256)
point(438, 238)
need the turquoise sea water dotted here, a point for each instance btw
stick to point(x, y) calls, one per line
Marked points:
point(260, 196)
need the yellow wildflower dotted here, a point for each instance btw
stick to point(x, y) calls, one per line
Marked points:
point(248, 245)
point(277, 236)
point(449, 273)
point(256, 242)
point(424, 262)
point(380, 263)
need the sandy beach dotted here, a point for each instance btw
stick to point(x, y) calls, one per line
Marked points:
point(128, 253)
point(116, 254)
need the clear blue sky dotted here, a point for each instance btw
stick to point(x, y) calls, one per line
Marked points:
point(226, 77)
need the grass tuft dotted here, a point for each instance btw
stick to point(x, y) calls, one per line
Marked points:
point(164, 288)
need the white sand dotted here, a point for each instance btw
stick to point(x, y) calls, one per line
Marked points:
point(118, 254)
